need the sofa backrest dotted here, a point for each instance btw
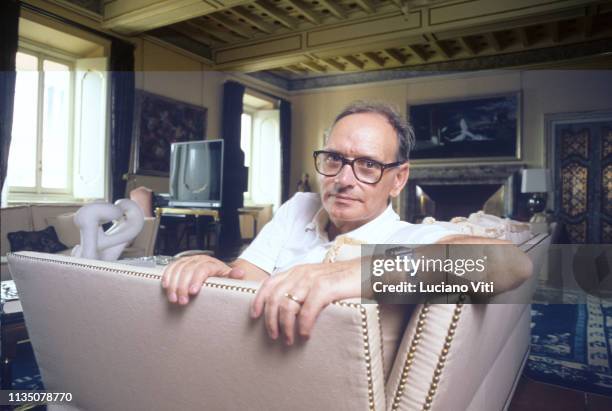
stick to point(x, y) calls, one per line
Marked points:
point(106, 333)
point(33, 217)
point(43, 214)
point(458, 348)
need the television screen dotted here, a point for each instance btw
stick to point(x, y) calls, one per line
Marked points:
point(196, 173)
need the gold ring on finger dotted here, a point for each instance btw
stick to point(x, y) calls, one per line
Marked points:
point(294, 298)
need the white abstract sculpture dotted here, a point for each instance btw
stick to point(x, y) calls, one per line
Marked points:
point(100, 245)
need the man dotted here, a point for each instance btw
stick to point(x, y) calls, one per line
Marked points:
point(363, 165)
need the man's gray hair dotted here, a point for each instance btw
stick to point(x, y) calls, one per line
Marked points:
point(403, 130)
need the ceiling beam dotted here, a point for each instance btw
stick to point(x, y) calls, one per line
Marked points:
point(338, 38)
point(555, 31)
point(523, 36)
point(473, 30)
point(467, 45)
point(204, 27)
point(252, 19)
point(375, 58)
point(231, 25)
point(492, 39)
point(587, 26)
point(589, 20)
point(197, 35)
point(354, 61)
point(334, 9)
point(440, 48)
point(295, 70)
point(366, 5)
point(395, 55)
point(335, 64)
point(133, 17)
point(313, 66)
point(276, 14)
point(305, 9)
point(418, 52)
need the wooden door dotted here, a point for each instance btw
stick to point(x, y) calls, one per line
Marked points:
point(583, 179)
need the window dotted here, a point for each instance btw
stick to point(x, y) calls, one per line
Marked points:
point(58, 143)
point(260, 142)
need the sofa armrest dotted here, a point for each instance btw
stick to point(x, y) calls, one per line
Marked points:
point(447, 350)
point(90, 320)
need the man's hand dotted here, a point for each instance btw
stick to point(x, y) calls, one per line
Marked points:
point(185, 276)
point(314, 285)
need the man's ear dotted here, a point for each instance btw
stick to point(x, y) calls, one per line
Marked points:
point(400, 179)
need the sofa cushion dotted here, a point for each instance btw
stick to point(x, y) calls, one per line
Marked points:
point(67, 230)
point(41, 212)
point(45, 241)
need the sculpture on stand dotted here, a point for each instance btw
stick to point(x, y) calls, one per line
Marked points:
point(107, 245)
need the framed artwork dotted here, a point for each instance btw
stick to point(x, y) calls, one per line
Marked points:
point(474, 128)
point(158, 122)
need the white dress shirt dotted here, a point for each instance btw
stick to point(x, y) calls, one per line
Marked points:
point(297, 234)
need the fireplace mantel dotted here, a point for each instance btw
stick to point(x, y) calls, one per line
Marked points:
point(454, 175)
point(479, 174)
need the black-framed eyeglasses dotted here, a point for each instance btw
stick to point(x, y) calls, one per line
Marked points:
point(365, 169)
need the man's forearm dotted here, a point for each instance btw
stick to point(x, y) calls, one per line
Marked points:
point(506, 265)
point(482, 267)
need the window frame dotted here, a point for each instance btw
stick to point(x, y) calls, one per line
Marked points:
point(38, 193)
point(248, 198)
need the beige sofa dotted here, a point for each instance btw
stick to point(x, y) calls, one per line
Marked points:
point(37, 217)
point(26, 218)
point(105, 333)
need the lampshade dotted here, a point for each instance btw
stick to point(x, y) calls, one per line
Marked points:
point(534, 180)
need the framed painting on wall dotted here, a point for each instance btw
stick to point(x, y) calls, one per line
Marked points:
point(474, 128)
point(158, 122)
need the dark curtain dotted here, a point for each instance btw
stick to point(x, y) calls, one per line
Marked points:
point(235, 175)
point(285, 143)
point(9, 36)
point(122, 89)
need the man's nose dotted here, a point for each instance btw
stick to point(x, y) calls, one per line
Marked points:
point(346, 175)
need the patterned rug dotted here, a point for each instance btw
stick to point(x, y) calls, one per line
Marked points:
point(25, 370)
point(570, 345)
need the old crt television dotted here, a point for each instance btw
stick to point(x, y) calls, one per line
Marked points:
point(196, 174)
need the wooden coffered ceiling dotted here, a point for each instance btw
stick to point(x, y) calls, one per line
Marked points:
point(298, 38)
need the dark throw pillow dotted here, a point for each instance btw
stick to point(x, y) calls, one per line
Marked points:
point(45, 241)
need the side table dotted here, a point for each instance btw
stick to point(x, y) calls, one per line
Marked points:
point(196, 213)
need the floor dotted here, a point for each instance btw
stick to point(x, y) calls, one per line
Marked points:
point(531, 395)
point(534, 396)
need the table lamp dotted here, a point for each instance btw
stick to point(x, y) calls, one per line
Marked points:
point(536, 182)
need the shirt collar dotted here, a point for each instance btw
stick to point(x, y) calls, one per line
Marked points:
point(365, 232)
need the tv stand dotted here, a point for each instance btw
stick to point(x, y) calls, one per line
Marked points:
point(196, 213)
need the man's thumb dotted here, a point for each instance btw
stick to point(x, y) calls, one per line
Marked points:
point(236, 273)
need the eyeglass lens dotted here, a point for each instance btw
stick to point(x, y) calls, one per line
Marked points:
point(330, 164)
